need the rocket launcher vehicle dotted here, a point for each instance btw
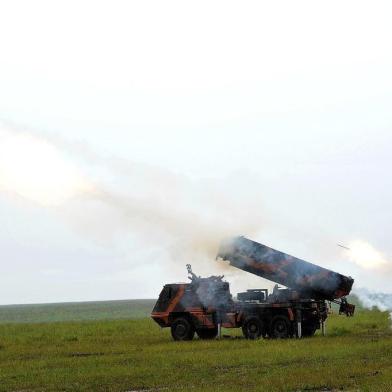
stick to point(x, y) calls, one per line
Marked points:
point(309, 280)
point(205, 305)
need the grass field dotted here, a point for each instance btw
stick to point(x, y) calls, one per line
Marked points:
point(76, 311)
point(135, 354)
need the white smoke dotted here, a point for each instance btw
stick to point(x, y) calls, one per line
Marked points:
point(375, 266)
point(185, 217)
point(36, 169)
point(366, 255)
point(370, 299)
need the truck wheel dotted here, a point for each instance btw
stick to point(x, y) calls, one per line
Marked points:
point(280, 327)
point(182, 329)
point(207, 333)
point(252, 328)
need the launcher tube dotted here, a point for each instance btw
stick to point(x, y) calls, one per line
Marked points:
point(308, 279)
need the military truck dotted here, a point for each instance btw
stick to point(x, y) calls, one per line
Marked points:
point(205, 305)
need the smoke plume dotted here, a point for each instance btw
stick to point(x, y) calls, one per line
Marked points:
point(376, 266)
point(126, 204)
point(367, 256)
point(186, 217)
point(371, 299)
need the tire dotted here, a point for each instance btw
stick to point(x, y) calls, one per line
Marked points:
point(207, 333)
point(182, 329)
point(252, 328)
point(280, 328)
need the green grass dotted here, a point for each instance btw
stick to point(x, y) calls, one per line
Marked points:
point(128, 355)
point(82, 311)
point(76, 311)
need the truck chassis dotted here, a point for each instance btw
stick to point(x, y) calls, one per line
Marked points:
point(182, 308)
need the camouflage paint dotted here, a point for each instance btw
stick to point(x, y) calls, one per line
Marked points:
point(310, 280)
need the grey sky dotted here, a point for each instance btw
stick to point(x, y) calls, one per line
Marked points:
point(192, 121)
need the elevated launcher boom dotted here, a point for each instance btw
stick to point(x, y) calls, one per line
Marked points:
point(309, 280)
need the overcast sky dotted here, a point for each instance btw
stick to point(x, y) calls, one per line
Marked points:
point(135, 135)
